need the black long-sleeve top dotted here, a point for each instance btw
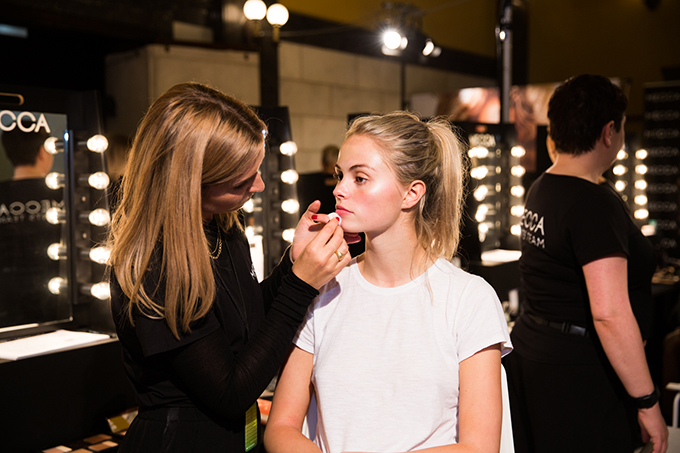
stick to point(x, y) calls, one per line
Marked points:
point(227, 360)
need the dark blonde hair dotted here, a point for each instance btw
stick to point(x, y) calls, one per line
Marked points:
point(191, 137)
point(432, 153)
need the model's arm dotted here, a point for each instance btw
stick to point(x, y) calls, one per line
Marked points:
point(291, 401)
point(607, 283)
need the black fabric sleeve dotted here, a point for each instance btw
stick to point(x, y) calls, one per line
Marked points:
point(227, 384)
point(270, 285)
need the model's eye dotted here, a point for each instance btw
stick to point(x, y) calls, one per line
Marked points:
point(337, 175)
point(359, 179)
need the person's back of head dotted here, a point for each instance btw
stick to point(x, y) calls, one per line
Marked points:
point(21, 147)
point(429, 152)
point(580, 108)
point(329, 156)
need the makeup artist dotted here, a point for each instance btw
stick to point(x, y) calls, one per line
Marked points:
point(201, 337)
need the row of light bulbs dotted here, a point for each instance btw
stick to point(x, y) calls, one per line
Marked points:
point(98, 217)
point(480, 172)
point(639, 191)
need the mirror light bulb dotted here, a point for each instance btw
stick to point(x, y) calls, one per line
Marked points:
point(55, 216)
point(429, 47)
point(98, 180)
point(101, 291)
point(288, 148)
point(99, 217)
point(517, 170)
point(620, 185)
point(517, 191)
point(641, 214)
point(515, 230)
point(481, 192)
point(622, 155)
point(288, 234)
point(517, 151)
point(517, 210)
point(249, 206)
point(479, 172)
point(255, 9)
point(640, 200)
point(392, 39)
point(100, 254)
point(640, 169)
point(289, 176)
point(51, 145)
point(641, 184)
point(290, 206)
point(56, 251)
point(479, 152)
point(97, 143)
point(619, 170)
point(56, 285)
point(641, 154)
point(54, 180)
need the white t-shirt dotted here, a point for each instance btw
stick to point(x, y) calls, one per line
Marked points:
point(386, 359)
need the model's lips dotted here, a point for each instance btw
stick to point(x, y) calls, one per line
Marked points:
point(341, 211)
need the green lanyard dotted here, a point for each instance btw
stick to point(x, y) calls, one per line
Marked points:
point(251, 427)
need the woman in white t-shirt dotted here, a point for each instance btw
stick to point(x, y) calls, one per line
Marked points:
point(402, 350)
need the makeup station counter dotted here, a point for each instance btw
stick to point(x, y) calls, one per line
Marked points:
point(52, 398)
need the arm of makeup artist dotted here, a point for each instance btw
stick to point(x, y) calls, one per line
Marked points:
point(229, 384)
point(607, 283)
point(480, 405)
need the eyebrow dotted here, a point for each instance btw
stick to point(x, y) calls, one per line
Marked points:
point(356, 166)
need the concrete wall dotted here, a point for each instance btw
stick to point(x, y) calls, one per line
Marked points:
point(321, 87)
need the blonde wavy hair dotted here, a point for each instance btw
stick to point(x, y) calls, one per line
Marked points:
point(429, 151)
point(191, 137)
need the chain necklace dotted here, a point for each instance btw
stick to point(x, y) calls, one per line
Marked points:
point(218, 247)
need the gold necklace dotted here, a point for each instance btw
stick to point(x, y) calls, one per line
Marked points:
point(218, 247)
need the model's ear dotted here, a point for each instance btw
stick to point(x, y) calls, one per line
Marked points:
point(607, 133)
point(414, 193)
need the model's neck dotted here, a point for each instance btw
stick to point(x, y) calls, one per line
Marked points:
point(393, 258)
point(583, 166)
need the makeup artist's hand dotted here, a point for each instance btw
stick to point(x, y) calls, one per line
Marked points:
point(323, 257)
point(307, 228)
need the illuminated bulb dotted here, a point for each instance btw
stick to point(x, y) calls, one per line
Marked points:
point(517, 211)
point(51, 145)
point(56, 285)
point(501, 35)
point(515, 230)
point(99, 217)
point(100, 254)
point(640, 169)
point(480, 193)
point(640, 200)
point(288, 234)
point(479, 172)
point(289, 176)
point(641, 154)
point(249, 206)
point(517, 170)
point(517, 191)
point(55, 216)
point(482, 210)
point(641, 184)
point(277, 15)
point(56, 251)
point(54, 180)
point(641, 214)
point(620, 185)
point(101, 291)
point(288, 148)
point(250, 232)
point(392, 39)
point(619, 170)
point(517, 151)
point(483, 228)
point(479, 152)
point(622, 155)
point(98, 180)
point(97, 143)
point(429, 47)
point(290, 206)
point(255, 9)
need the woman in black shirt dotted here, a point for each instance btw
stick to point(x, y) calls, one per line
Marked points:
point(201, 337)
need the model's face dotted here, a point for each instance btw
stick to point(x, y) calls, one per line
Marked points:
point(230, 196)
point(368, 197)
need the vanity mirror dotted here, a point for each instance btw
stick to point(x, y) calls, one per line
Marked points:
point(48, 279)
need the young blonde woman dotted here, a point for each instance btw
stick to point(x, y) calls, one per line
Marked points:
point(402, 350)
point(201, 338)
